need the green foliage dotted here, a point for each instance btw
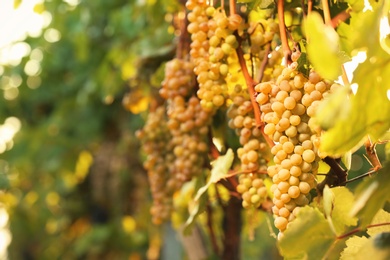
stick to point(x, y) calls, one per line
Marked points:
point(349, 128)
point(311, 227)
point(371, 196)
point(338, 203)
point(323, 47)
point(220, 169)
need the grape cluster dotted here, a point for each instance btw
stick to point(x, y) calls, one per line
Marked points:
point(213, 43)
point(188, 125)
point(287, 106)
point(251, 154)
point(179, 79)
point(156, 143)
point(261, 32)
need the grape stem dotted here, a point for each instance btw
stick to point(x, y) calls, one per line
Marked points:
point(372, 155)
point(369, 173)
point(357, 230)
point(283, 32)
point(252, 93)
point(264, 62)
point(336, 176)
point(250, 84)
point(339, 18)
point(232, 7)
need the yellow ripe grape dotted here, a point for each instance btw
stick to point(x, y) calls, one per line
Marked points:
point(285, 198)
point(281, 96)
point(218, 100)
point(284, 85)
point(262, 192)
point(294, 181)
point(277, 194)
point(272, 170)
point(294, 192)
point(284, 174)
point(308, 156)
point(304, 187)
point(283, 186)
point(255, 199)
point(288, 147)
point(284, 123)
point(296, 94)
point(278, 107)
point(270, 126)
point(261, 98)
point(286, 164)
point(252, 156)
point(291, 131)
point(295, 120)
point(296, 159)
point(289, 103)
point(241, 188)
point(283, 212)
point(281, 155)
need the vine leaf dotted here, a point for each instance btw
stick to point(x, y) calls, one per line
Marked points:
point(323, 47)
point(377, 247)
point(371, 196)
point(220, 169)
point(380, 217)
point(353, 246)
point(309, 236)
point(338, 203)
point(347, 131)
point(343, 204)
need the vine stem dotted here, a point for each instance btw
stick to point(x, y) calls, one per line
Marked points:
point(325, 7)
point(356, 230)
point(232, 7)
point(339, 18)
point(372, 155)
point(250, 84)
point(264, 62)
point(360, 177)
point(283, 33)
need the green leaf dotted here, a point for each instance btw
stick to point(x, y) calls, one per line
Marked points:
point(377, 247)
point(343, 204)
point(197, 207)
point(309, 236)
point(354, 244)
point(220, 169)
point(347, 160)
point(328, 201)
point(371, 196)
point(359, 115)
point(335, 107)
point(303, 64)
point(323, 47)
point(380, 217)
point(338, 203)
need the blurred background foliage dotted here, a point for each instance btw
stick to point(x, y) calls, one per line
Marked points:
point(73, 183)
